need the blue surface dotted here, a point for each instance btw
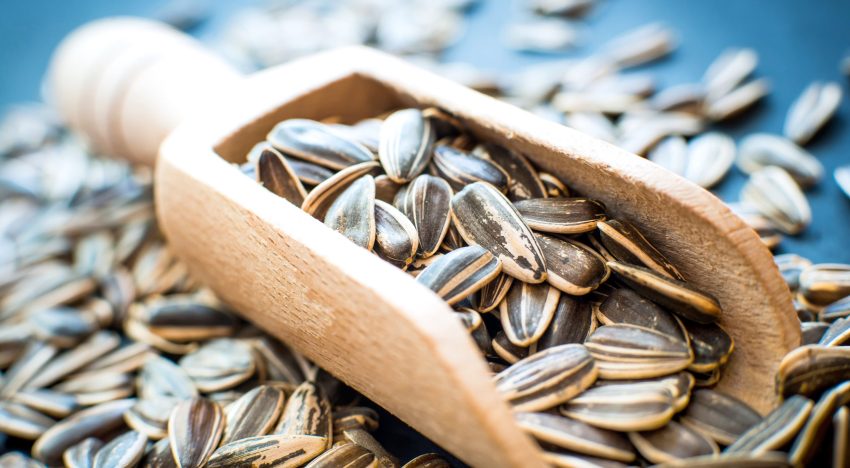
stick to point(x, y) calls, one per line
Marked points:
point(797, 41)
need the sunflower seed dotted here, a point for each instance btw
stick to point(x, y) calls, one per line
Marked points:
point(576, 436)
point(548, 378)
point(159, 455)
point(506, 350)
point(97, 345)
point(396, 239)
point(219, 364)
point(194, 431)
point(737, 100)
point(812, 332)
point(460, 169)
point(687, 97)
point(623, 407)
point(674, 295)
point(561, 215)
point(489, 297)
point(19, 460)
point(836, 310)
point(728, 70)
point(362, 438)
point(811, 369)
point(718, 416)
point(603, 102)
point(711, 346)
point(253, 414)
point(275, 173)
point(561, 458)
point(733, 460)
point(710, 156)
point(572, 266)
point(642, 131)
point(277, 450)
point(23, 422)
point(81, 455)
point(160, 377)
point(541, 34)
point(624, 306)
point(33, 358)
point(186, 318)
point(776, 429)
point(554, 187)
point(323, 195)
point(825, 283)
point(49, 402)
point(406, 144)
point(317, 143)
point(837, 334)
point(630, 352)
point(367, 132)
point(344, 456)
point(842, 178)
point(672, 442)
point(671, 154)
point(790, 266)
point(352, 214)
point(307, 412)
point(760, 150)
point(485, 217)
point(123, 451)
point(62, 326)
point(812, 435)
point(572, 322)
point(460, 273)
point(150, 417)
point(640, 45)
point(428, 203)
point(626, 243)
point(527, 311)
point(812, 110)
point(308, 173)
point(524, 182)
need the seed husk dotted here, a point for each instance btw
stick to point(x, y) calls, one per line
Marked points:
point(150, 417)
point(50, 402)
point(630, 352)
point(123, 451)
point(460, 273)
point(323, 195)
point(470, 318)
point(825, 283)
point(676, 296)
point(506, 350)
point(838, 333)
point(640, 406)
point(775, 195)
point(460, 169)
point(547, 378)
point(406, 144)
point(561, 458)
point(737, 100)
point(160, 377)
point(760, 150)
point(352, 214)
point(35, 356)
point(344, 456)
point(639, 45)
point(253, 414)
point(362, 438)
point(194, 431)
point(307, 412)
point(489, 297)
point(626, 243)
point(21, 421)
point(811, 111)
point(571, 266)
point(812, 332)
point(63, 327)
point(728, 70)
point(811, 436)
point(710, 156)
point(672, 442)
point(279, 450)
point(527, 311)
point(718, 416)
point(219, 364)
point(19, 460)
point(561, 215)
point(624, 306)
point(276, 175)
point(572, 322)
point(484, 217)
point(811, 369)
point(711, 346)
point(428, 460)
point(686, 97)
point(396, 239)
point(81, 455)
point(95, 346)
point(317, 143)
point(308, 173)
point(592, 123)
point(776, 429)
point(159, 456)
point(554, 186)
point(524, 182)
point(577, 436)
point(427, 202)
point(367, 132)
point(186, 318)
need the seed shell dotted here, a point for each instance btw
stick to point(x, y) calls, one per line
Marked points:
point(527, 311)
point(307, 412)
point(489, 297)
point(352, 214)
point(318, 143)
point(427, 202)
point(275, 173)
point(406, 144)
point(571, 266)
point(626, 243)
point(194, 431)
point(81, 455)
point(460, 273)
point(710, 156)
point(396, 239)
point(344, 456)
point(773, 192)
point(577, 436)
point(811, 369)
point(124, 451)
point(561, 215)
point(630, 352)
point(428, 460)
point(812, 110)
point(624, 306)
point(278, 450)
point(811, 437)
point(506, 350)
point(323, 195)
point(460, 169)
point(721, 417)
point(776, 429)
point(253, 414)
point(825, 283)
point(672, 442)
point(572, 322)
point(711, 346)
point(728, 70)
point(524, 181)
point(623, 407)
point(760, 150)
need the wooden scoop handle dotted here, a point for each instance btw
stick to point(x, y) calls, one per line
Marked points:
point(126, 83)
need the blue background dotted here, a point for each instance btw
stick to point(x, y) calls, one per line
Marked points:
point(797, 41)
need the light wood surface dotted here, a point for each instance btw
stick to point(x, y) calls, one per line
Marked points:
point(375, 327)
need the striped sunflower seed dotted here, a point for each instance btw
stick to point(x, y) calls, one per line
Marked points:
point(572, 322)
point(776, 429)
point(21, 421)
point(624, 306)
point(623, 407)
point(33, 358)
point(361, 437)
point(672, 442)
point(428, 460)
point(307, 412)
point(185, 318)
point(460, 273)
point(838, 333)
point(355, 417)
point(276, 175)
point(49, 402)
point(470, 318)
point(489, 297)
point(323, 195)
point(561, 215)
point(527, 311)
point(317, 143)
point(150, 417)
point(710, 156)
point(626, 243)
point(676, 296)
point(561, 458)
point(711, 346)
point(775, 195)
point(81, 455)
point(571, 266)
point(278, 450)
point(427, 202)
point(760, 150)
point(591, 123)
point(63, 327)
point(452, 240)
point(825, 283)
point(718, 416)
point(194, 431)
point(737, 100)
point(728, 70)
point(219, 364)
point(344, 456)
point(485, 217)
point(812, 332)
point(352, 214)
point(812, 435)
point(308, 173)
point(125, 450)
point(547, 378)
point(396, 239)
point(367, 132)
point(811, 369)
point(92, 348)
point(524, 182)
point(577, 436)
point(406, 144)
point(554, 186)
point(19, 460)
point(811, 111)
point(506, 350)
point(253, 414)
point(160, 377)
point(836, 310)
point(460, 169)
point(630, 352)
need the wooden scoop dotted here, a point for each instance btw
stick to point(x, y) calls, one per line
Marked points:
point(128, 83)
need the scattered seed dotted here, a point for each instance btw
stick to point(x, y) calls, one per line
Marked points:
point(760, 150)
point(812, 110)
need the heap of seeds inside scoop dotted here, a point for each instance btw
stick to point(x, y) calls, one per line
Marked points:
point(112, 356)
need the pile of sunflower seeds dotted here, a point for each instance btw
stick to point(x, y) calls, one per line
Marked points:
point(595, 364)
point(111, 355)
